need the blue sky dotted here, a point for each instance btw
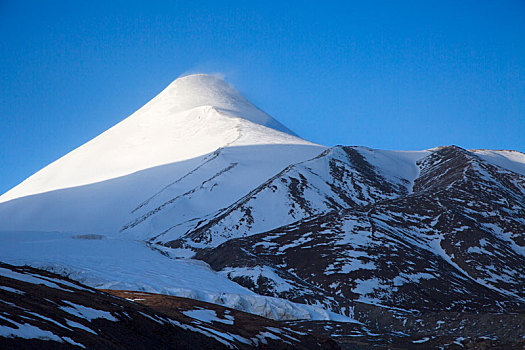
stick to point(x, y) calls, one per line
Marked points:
point(384, 74)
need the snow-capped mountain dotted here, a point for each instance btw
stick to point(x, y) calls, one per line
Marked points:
point(200, 194)
point(198, 143)
point(193, 116)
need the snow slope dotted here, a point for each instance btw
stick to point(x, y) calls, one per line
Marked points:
point(510, 160)
point(337, 179)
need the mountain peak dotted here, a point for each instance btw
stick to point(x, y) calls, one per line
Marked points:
point(198, 90)
point(203, 89)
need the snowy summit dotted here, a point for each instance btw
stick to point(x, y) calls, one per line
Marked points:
point(193, 116)
point(199, 131)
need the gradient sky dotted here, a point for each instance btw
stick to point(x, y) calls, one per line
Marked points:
point(384, 74)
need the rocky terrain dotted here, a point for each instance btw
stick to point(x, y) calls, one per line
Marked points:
point(454, 242)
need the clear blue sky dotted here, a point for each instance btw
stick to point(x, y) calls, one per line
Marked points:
point(393, 74)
